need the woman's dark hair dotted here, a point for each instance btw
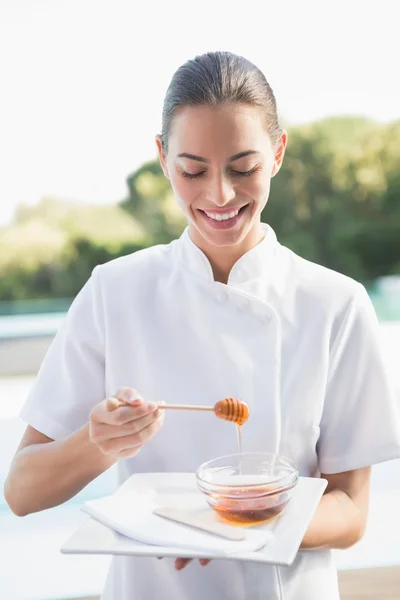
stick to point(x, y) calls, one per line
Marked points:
point(217, 78)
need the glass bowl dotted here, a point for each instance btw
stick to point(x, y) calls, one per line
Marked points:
point(249, 488)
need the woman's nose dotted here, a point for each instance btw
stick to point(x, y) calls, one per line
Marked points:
point(220, 191)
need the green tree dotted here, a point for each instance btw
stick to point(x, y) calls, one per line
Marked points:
point(152, 203)
point(330, 202)
point(336, 201)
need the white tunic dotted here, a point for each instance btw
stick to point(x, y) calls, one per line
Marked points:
point(296, 341)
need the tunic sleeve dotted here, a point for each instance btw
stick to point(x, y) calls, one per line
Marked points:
point(360, 424)
point(71, 378)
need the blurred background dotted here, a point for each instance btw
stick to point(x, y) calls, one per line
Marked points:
point(82, 86)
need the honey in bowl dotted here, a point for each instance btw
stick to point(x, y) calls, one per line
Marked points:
point(248, 489)
point(250, 511)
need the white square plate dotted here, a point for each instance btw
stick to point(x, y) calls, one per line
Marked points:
point(288, 530)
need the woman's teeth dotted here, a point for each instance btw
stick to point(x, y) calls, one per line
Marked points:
point(222, 217)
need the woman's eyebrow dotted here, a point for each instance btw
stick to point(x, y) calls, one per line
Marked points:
point(193, 157)
point(230, 159)
point(242, 154)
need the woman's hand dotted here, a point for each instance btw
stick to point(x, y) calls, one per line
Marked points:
point(180, 563)
point(122, 431)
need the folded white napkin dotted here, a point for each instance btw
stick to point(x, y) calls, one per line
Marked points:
point(131, 513)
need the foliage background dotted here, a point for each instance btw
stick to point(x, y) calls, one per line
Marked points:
point(336, 201)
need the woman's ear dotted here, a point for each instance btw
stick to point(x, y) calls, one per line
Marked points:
point(279, 152)
point(162, 156)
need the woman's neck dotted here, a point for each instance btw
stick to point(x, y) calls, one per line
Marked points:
point(223, 258)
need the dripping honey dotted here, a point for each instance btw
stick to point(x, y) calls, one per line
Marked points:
point(239, 443)
point(247, 510)
point(232, 409)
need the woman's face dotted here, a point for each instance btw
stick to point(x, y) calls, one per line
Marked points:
point(220, 162)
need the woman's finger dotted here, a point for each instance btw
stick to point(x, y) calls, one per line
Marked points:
point(180, 563)
point(124, 414)
point(119, 444)
point(106, 432)
point(127, 394)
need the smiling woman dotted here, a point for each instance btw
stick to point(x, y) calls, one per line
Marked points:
point(220, 145)
point(223, 183)
point(224, 311)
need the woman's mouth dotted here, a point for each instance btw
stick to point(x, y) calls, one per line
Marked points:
point(225, 219)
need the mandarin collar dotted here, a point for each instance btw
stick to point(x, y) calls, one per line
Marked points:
point(254, 264)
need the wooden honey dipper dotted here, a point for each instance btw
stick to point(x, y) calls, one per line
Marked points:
point(228, 409)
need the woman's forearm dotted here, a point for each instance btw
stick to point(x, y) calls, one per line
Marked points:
point(46, 475)
point(337, 523)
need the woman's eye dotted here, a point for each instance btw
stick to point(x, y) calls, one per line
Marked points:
point(192, 175)
point(245, 173)
point(232, 171)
